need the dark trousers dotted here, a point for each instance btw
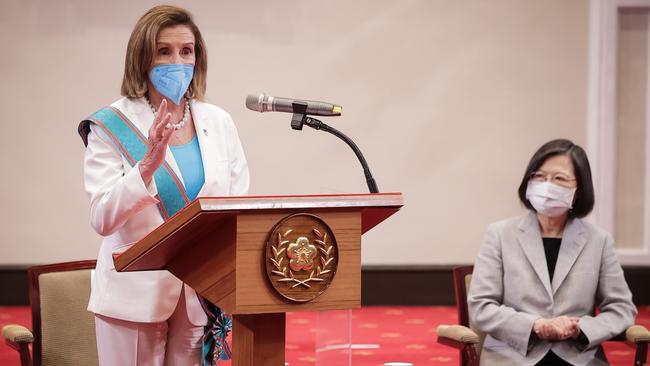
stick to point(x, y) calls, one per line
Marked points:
point(551, 359)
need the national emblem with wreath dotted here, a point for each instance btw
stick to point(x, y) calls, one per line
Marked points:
point(301, 257)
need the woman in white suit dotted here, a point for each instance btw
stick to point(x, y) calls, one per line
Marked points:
point(539, 277)
point(148, 155)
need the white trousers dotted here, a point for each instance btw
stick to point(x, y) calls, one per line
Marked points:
point(175, 342)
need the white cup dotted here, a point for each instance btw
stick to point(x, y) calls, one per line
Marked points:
point(398, 364)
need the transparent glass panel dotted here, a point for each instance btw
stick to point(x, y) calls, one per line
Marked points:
point(301, 337)
point(334, 338)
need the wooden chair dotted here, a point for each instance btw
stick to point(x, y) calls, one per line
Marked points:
point(63, 331)
point(468, 340)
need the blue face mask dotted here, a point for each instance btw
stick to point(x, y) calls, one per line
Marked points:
point(172, 80)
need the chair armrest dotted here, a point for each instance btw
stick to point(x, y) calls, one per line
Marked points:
point(17, 334)
point(457, 333)
point(637, 334)
point(19, 338)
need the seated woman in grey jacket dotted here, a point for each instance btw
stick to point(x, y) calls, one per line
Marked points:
point(539, 277)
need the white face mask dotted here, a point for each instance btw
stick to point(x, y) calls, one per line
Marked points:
point(549, 199)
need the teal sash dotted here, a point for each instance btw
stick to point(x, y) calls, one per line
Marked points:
point(132, 144)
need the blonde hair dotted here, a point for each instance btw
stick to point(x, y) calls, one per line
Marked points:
point(142, 46)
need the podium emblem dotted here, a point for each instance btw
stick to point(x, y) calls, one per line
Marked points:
point(301, 257)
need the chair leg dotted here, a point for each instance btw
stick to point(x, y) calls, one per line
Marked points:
point(469, 356)
point(641, 354)
point(25, 358)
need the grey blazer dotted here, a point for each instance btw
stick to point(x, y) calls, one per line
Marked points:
point(511, 288)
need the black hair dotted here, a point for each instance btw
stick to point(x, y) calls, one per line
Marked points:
point(584, 196)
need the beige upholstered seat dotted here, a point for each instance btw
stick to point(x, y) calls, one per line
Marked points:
point(469, 341)
point(63, 330)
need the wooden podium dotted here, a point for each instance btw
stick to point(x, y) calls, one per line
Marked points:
point(222, 248)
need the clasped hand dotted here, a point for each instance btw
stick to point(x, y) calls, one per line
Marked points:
point(557, 329)
point(159, 135)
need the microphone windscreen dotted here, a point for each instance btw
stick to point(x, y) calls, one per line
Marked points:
point(253, 102)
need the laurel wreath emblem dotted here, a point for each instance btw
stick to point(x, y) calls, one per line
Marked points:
point(317, 274)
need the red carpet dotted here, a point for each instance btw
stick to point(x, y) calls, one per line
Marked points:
point(379, 334)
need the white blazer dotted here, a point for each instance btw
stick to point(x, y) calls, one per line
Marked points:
point(511, 288)
point(124, 210)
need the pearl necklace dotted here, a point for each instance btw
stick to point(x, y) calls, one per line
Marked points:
point(181, 123)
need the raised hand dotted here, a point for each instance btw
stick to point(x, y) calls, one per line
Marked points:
point(159, 135)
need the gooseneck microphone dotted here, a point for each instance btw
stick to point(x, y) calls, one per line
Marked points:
point(301, 109)
point(266, 103)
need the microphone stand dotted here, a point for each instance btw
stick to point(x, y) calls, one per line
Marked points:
point(299, 119)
